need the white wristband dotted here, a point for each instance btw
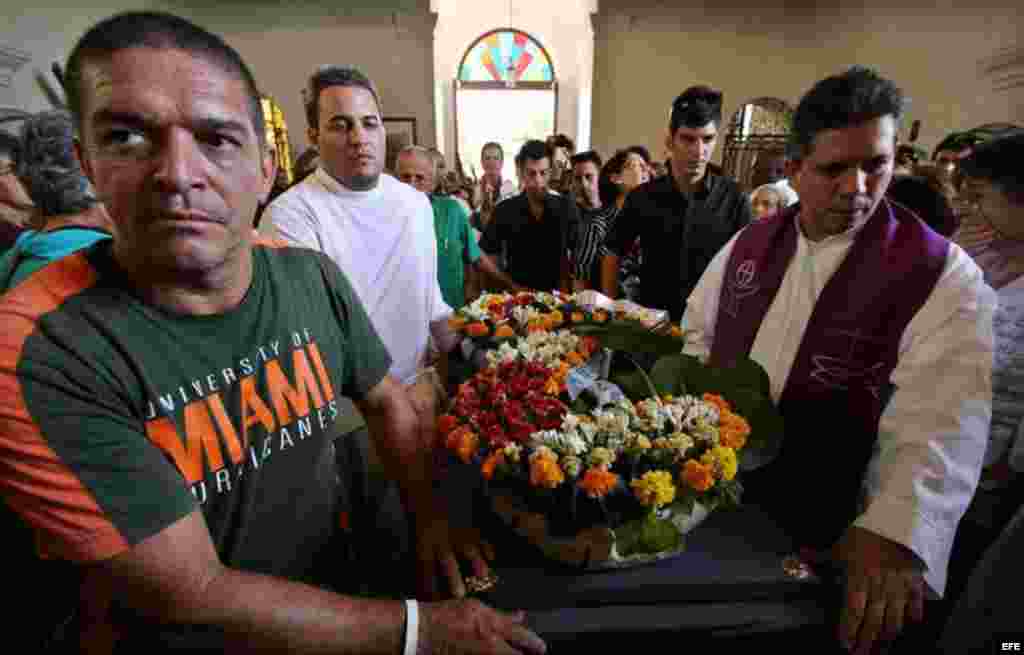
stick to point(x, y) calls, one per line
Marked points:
point(412, 627)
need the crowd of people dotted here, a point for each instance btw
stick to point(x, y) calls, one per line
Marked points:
point(221, 395)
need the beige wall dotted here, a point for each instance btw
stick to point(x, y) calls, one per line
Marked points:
point(645, 57)
point(390, 40)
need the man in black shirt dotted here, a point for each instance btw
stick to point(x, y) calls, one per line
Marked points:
point(684, 218)
point(536, 230)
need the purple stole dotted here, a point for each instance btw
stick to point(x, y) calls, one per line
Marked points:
point(839, 384)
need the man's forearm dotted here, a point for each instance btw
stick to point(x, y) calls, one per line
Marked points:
point(486, 266)
point(266, 614)
point(610, 275)
point(404, 444)
point(175, 577)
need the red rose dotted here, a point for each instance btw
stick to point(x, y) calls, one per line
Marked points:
point(520, 431)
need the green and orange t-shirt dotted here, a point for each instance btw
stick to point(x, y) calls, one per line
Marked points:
point(117, 418)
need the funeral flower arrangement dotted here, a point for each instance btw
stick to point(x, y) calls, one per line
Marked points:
point(636, 453)
point(496, 316)
point(637, 468)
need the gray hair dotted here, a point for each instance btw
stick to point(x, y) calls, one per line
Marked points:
point(422, 152)
point(330, 75)
point(49, 168)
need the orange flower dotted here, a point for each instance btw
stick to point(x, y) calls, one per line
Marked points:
point(553, 386)
point(733, 430)
point(676, 331)
point(545, 472)
point(554, 319)
point(536, 325)
point(477, 329)
point(721, 403)
point(574, 359)
point(457, 322)
point(598, 482)
point(504, 331)
point(577, 317)
point(698, 476)
point(600, 316)
point(492, 461)
point(446, 423)
point(463, 442)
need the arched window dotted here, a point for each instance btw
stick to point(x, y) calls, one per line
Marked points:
point(759, 128)
point(505, 91)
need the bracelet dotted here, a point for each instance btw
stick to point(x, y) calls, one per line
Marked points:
point(412, 627)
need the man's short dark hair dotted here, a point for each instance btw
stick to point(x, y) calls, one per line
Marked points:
point(532, 150)
point(696, 107)
point(585, 156)
point(999, 161)
point(49, 168)
point(10, 146)
point(851, 98)
point(495, 146)
point(327, 76)
point(561, 141)
point(150, 29)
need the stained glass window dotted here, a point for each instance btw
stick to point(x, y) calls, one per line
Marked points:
point(506, 56)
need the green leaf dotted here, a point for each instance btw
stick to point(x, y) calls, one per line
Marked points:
point(632, 384)
point(745, 386)
point(630, 336)
point(657, 535)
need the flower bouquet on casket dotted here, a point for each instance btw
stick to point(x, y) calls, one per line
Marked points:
point(609, 481)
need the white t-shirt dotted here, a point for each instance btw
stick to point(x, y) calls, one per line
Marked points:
point(933, 433)
point(383, 240)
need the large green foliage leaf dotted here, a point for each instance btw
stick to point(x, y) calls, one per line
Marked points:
point(630, 336)
point(747, 388)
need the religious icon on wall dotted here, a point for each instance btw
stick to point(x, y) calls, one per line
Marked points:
point(401, 132)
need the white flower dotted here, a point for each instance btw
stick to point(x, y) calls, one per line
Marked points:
point(613, 423)
point(588, 430)
point(570, 423)
point(699, 412)
point(559, 442)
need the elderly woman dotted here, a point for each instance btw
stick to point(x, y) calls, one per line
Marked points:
point(995, 180)
point(766, 200)
point(68, 216)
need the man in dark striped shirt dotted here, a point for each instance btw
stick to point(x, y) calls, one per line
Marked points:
point(595, 220)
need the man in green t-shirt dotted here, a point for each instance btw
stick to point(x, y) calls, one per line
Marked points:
point(459, 258)
point(168, 396)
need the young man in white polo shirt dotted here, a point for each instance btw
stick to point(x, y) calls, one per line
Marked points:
point(379, 231)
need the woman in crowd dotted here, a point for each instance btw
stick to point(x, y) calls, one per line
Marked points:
point(625, 171)
point(995, 180)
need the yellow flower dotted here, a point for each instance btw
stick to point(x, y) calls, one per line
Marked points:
point(654, 489)
point(601, 457)
point(598, 482)
point(545, 472)
point(698, 476)
point(722, 460)
point(554, 319)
